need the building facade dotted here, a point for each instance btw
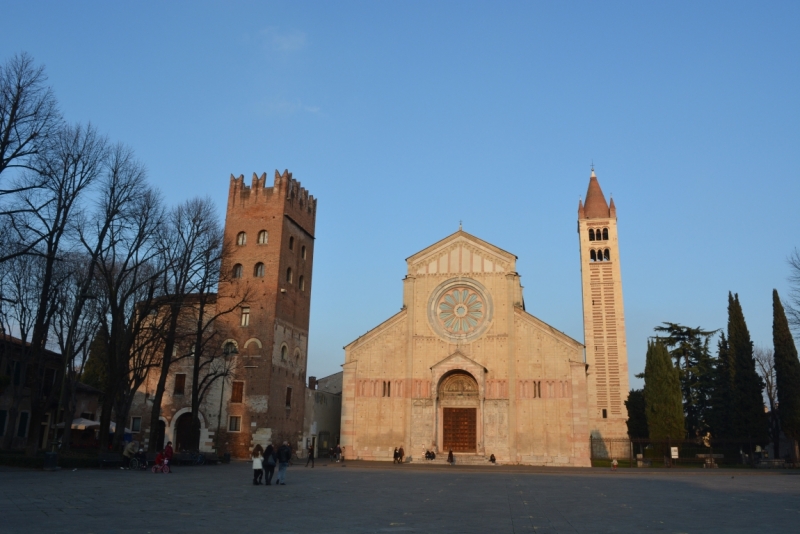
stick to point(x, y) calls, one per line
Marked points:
point(266, 279)
point(464, 367)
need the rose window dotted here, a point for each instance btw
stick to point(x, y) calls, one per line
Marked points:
point(460, 310)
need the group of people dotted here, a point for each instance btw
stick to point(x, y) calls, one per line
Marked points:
point(265, 461)
point(134, 450)
point(399, 454)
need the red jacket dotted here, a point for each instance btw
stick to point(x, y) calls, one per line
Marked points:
point(168, 453)
point(159, 459)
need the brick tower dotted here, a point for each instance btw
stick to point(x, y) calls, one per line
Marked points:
point(269, 243)
point(603, 314)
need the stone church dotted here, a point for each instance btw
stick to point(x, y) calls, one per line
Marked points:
point(464, 367)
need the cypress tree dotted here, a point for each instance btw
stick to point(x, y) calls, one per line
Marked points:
point(721, 420)
point(662, 394)
point(750, 420)
point(637, 419)
point(787, 371)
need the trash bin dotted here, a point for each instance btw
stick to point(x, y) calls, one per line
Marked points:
point(226, 458)
point(51, 461)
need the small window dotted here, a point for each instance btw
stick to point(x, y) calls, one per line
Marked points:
point(291, 242)
point(605, 234)
point(262, 237)
point(180, 384)
point(289, 275)
point(606, 255)
point(284, 352)
point(235, 423)
point(258, 271)
point(301, 283)
point(238, 392)
point(288, 397)
point(591, 234)
point(136, 424)
point(605, 413)
point(22, 425)
point(592, 255)
point(237, 270)
point(303, 252)
point(245, 316)
point(241, 238)
point(297, 355)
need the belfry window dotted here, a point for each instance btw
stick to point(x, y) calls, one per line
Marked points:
point(606, 255)
point(605, 234)
point(284, 351)
point(301, 283)
point(262, 237)
point(237, 270)
point(245, 316)
point(591, 234)
point(593, 255)
point(241, 238)
point(258, 271)
point(289, 275)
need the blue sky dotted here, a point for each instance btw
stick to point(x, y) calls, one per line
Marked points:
point(403, 118)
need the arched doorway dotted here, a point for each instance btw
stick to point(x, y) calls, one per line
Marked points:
point(459, 400)
point(183, 432)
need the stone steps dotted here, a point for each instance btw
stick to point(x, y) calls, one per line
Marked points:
point(460, 459)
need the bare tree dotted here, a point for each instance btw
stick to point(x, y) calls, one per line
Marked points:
point(793, 305)
point(765, 364)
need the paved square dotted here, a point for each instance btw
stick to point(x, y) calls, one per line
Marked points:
point(385, 498)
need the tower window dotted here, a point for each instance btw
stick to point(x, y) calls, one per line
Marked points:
point(262, 237)
point(258, 271)
point(237, 270)
point(303, 252)
point(606, 255)
point(297, 355)
point(284, 351)
point(291, 242)
point(605, 413)
point(592, 255)
point(591, 234)
point(301, 283)
point(235, 423)
point(245, 316)
point(180, 384)
point(288, 397)
point(289, 275)
point(237, 395)
point(605, 234)
point(241, 238)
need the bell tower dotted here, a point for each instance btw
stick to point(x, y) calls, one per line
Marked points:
point(603, 314)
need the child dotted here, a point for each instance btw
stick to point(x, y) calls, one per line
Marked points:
point(258, 465)
point(160, 458)
point(614, 464)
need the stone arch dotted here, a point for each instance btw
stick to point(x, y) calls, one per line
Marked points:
point(252, 340)
point(458, 384)
point(173, 426)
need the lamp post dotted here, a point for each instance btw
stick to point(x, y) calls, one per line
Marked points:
point(229, 350)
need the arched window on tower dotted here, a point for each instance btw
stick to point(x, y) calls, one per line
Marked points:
point(606, 255)
point(301, 283)
point(591, 234)
point(241, 238)
point(284, 351)
point(592, 255)
point(237, 270)
point(605, 234)
point(262, 237)
point(289, 275)
point(258, 271)
point(303, 252)
point(291, 242)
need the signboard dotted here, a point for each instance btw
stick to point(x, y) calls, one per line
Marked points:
point(674, 451)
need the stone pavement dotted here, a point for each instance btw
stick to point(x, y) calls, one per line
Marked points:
point(407, 498)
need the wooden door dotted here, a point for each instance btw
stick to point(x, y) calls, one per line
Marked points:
point(459, 430)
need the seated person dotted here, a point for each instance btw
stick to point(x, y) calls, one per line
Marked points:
point(492, 458)
point(142, 457)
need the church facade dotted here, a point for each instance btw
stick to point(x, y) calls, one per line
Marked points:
point(464, 367)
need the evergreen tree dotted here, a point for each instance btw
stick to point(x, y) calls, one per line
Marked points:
point(637, 419)
point(750, 420)
point(662, 394)
point(689, 347)
point(787, 371)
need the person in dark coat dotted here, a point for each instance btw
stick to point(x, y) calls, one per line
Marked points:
point(310, 456)
point(284, 456)
point(450, 459)
point(270, 461)
point(401, 454)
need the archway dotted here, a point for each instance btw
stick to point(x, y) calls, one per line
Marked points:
point(183, 432)
point(459, 400)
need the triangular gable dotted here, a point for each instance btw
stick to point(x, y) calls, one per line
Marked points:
point(388, 323)
point(457, 359)
point(461, 253)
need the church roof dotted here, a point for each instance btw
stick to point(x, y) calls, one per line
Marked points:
point(596, 206)
point(461, 234)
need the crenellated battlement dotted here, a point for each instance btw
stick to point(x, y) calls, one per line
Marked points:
point(297, 202)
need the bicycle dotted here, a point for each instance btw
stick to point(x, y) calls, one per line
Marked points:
point(162, 468)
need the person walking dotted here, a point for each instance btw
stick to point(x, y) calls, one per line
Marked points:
point(269, 464)
point(284, 455)
point(402, 454)
point(310, 456)
point(258, 465)
point(338, 454)
point(395, 456)
point(450, 459)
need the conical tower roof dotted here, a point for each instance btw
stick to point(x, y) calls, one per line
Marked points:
point(596, 206)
